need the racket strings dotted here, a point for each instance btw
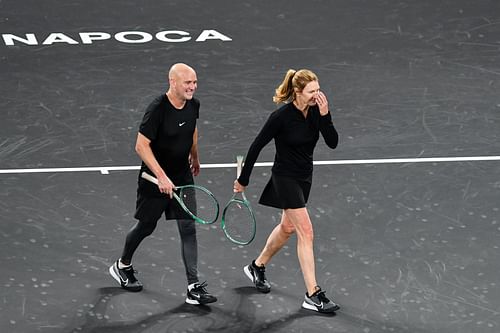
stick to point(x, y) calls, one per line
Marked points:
point(200, 203)
point(238, 222)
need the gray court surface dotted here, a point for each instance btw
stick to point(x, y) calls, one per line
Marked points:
point(405, 210)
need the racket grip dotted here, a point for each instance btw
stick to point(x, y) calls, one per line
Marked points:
point(147, 176)
point(239, 165)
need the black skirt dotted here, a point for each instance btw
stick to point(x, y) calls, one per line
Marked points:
point(286, 192)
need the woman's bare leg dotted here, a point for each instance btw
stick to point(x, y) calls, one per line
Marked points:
point(301, 222)
point(276, 240)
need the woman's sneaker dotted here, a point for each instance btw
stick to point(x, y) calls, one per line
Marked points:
point(125, 277)
point(197, 294)
point(258, 276)
point(319, 302)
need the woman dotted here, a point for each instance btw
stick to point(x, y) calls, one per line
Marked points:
point(295, 128)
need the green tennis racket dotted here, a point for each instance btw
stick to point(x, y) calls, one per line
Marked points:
point(196, 201)
point(238, 219)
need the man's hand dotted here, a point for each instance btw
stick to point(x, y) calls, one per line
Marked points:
point(194, 164)
point(166, 186)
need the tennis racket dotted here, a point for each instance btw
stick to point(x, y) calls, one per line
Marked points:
point(238, 219)
point(195, 200)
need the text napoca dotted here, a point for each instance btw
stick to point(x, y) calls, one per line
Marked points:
point(129, 37)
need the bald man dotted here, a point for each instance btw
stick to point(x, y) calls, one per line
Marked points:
point(167, 144)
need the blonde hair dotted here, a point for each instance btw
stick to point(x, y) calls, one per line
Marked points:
point(293, 80)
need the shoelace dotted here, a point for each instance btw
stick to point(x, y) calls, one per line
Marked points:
point(322, 297)
point(201, 286)
point(261, 272)
point(129, 272)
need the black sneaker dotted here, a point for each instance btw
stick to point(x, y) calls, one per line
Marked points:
point(125, 277)
point(319, 302)
point(199, 295)
point(258, 276)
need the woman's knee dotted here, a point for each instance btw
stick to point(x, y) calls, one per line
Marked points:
point(287, 228)
point(301, 223)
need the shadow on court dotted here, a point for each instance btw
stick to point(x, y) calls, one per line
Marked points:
point(184, 317)
point(243, 318)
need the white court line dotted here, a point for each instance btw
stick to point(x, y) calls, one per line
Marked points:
point(106, 170)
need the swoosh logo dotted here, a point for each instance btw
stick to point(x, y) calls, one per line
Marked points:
point(125, 282)
point(320, 305)
point(182, 124)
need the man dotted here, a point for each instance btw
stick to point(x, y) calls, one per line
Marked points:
point(167, 144)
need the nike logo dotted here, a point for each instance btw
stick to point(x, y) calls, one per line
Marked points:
point(125, 282)
point(320, 304)
point(182, 124)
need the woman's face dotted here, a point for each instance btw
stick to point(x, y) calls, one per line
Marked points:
point(309, 94)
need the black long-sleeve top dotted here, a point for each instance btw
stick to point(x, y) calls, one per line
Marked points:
point(295, 138)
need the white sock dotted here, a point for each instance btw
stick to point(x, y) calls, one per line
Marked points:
point(122, 265)
point(191, 286)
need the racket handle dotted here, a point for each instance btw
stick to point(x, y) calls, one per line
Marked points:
point(147, 176)
point(239, 165)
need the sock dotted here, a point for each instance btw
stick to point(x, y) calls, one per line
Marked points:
point(122, 265)
point(192, 285)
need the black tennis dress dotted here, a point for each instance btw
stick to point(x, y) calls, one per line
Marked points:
point(295, 138)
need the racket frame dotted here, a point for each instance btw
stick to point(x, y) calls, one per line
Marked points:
point(153, 180)
point(245, 203)
point(242, 201)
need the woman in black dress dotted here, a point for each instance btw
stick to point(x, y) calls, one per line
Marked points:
point(295, 128)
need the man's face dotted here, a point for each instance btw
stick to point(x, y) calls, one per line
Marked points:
point(185, 84)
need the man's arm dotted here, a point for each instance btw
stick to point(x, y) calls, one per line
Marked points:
point(194, 161)
point(143, 149)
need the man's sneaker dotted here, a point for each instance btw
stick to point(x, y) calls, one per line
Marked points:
point(125, 277)
point(258, 276)
point(199, 295)
point(319, 302)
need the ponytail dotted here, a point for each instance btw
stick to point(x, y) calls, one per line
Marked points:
point(284, 92)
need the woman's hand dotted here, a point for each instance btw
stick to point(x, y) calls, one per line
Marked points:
point(322, 103)
point(237, 187)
